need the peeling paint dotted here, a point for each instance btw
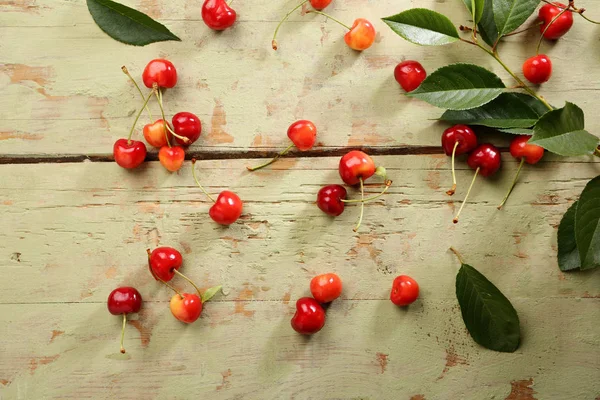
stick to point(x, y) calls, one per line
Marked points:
point(382, 359)
point(217, 134)
point(56, 334)
point(522, 390)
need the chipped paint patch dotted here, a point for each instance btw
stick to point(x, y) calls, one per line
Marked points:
point(521, 390)
point(433, 180)
point(110, 273)
point(364, 134)
point(20, 135)
point(55, 334)
point(452, 360)
point(4, 382)
point(380, 62)
point(35, 362)
point(225, 384)
point(19, 73)
point(418, 397)
point(382, 359)
point(217, 134)
point(262, 141)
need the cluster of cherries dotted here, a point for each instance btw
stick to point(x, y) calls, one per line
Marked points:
point(164, 263)
point(186, 127)
point(310, 311)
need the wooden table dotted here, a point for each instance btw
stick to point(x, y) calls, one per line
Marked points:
point(75, 225)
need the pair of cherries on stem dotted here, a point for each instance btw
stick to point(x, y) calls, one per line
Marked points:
point(164, 264)
point(122, 301)
point(355, 168)
point(360, 35)
point(310, 314)
point(218, 15)
point(556, 20)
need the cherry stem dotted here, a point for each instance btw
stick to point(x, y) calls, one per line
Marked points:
point(330, 17)
point(139, 114)
point(455, 220)
point(277, 157)
point(189, 280)
point(525, 30)
point(514, 182)
point(457, 254)
point(387, 183)
point(162, 112)
point(123, 333)
point(198, 182)
point(126, 72)
point(362, 204)
point(597, 151)
point(537, 49)
point(453, 189)
point(274, 41)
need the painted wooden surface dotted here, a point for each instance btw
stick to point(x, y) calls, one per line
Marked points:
point(74, 231)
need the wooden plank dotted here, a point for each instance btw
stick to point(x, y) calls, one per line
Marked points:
point(80, 105)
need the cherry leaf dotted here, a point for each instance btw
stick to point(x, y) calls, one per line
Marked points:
point(568, 254)
point(587, 225)
point(209, 293)
point(487, 26)
point(424, 27)
point(510, 14)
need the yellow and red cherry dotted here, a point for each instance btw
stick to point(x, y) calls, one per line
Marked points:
point(228, 206)
point(186, 307)
point(405, 291)
point(122, 301)
point(330, 199)
point(486, 161)
point(302, 133)
point(325, 288)
point(458, 140)
point(160, 72)
point(537, 69)
point(525, 153)
point(409, 74)
point(171, 158)
point(361, 35)
point(356, 166)
point(156, 134)
point(309, 317)
point(164, 262)
point(217, 14)
point(560, 26)
point(186, 125)
point(129, 153)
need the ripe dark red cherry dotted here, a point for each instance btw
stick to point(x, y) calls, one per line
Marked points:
point(171, 157)
point(122, 301)
point(309, 317)
point(227, 208)
point(361, 35)
point(457, 140)
point(409, 74)
point(537, 69)
point(186, 307)
point(356, 165)
point(160, 71)
point(329, 199)
point(559, 27)
point(485, 160)
point(405, 290)
point(129, 153)
point(326, 288)
point(217, 14)
point(163, 262)
point(187, 125)
point(320, 4)
point(526, 153)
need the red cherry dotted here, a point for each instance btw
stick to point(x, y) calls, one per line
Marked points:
point(171, 157)
point(409, 74)
point(217, 14)
point(354, 166)
point(361, 35)
point(129, 153)
point(319, 4)
point(227, 209)
point(457, 140)
point(303, 134)
point(526, 153)
point(186, 309)
point(537, 69)
point(160, 71)
point(163, 262)
point(329, 199)
point(559, 27)
point(187, 125)
point(155, 134)
point(123, 301)
point(326, 288)
point(405, 290)
point(309, 317)
point(485, 160)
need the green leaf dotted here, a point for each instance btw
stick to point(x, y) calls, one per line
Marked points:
point(568, 254)
point(424, 27)
point(510, 14)
point(517, 131)
point(489, 316)
point(487, 26)
point(209, 293)
point(561, 132)
point(459, 87)
point(127, 25)
point(475, 7)
point(587, 225)
point(509, 110)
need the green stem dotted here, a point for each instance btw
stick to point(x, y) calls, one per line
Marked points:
point(138, 115)
point(514, 182)
point(198, 182)
point(274, 41)
point(126, 72)
point(524, 30)
point(455, 220)
point(597, 151)
point(162, 112)
point(387, 186)
point(189, 280)
point(123, 333)
point(588, 19)
point(330, 17)
point(457, 254)
point(272, 160)
point(362, 204)
point(537, 49)
point(453, 189)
